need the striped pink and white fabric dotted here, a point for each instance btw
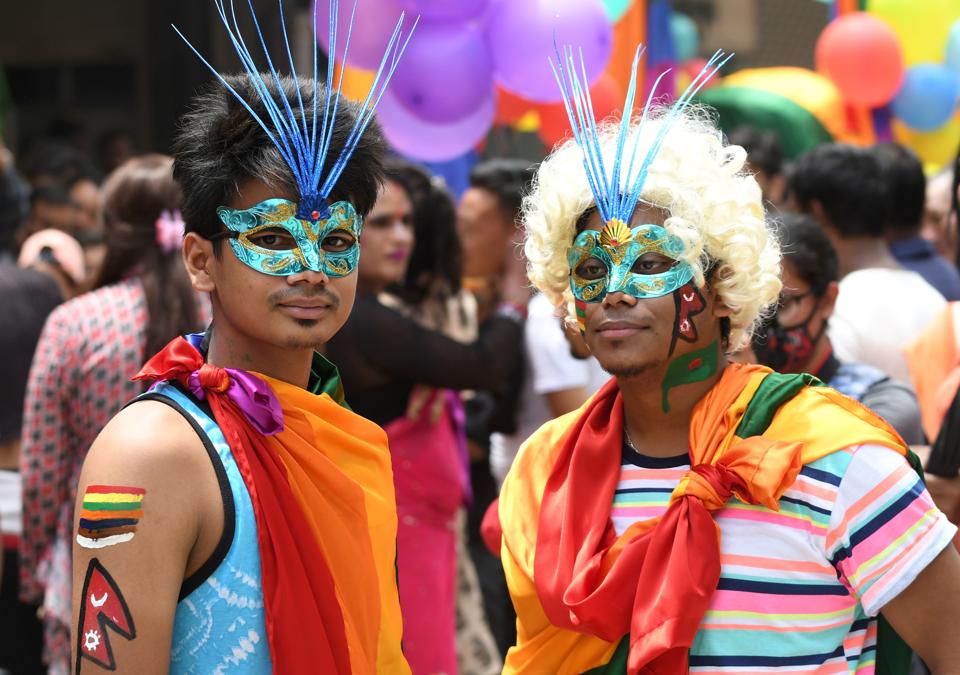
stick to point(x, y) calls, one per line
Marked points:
point(800, 589)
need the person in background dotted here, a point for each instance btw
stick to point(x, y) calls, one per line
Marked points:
point(939, 222)
point(114, 147)
point(880, 305)
point(14, 205)
point(384, 381)
point(89, 349)
point(795, 340)
point(906, 188)
point(764, 160)
point(49, 267)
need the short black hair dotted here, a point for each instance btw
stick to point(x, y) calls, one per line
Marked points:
point(219, 145)
point(906, 186)
point(847, 182)
point(804, 243)
point(508, 179)
point(763, 148)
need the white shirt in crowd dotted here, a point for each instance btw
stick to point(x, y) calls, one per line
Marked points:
point(550, 367)
point(878, 311)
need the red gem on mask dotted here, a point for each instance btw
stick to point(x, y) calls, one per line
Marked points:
point(315, 215)
point(614, 242)
point(696, 363)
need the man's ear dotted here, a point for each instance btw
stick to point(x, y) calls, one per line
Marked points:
point(829, 300)
point(718, 308)
point(198, 258)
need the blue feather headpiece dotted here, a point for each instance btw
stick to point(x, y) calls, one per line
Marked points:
point(613, 201)
point(302, 144)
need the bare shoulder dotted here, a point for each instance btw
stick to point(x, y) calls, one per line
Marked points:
point(148, 436)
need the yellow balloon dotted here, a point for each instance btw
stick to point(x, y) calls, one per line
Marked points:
point(936, 147)
point(922, 26)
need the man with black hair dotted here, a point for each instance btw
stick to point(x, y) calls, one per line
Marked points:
point(795, 340)
point(906, 188)
point(764, 160)
point(880, 305)
point(240, 515)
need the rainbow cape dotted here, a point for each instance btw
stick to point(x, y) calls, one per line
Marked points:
point(574, 582)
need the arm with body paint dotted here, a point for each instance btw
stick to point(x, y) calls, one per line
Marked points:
point(148, 514)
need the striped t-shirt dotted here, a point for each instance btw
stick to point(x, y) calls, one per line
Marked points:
point(800, 588)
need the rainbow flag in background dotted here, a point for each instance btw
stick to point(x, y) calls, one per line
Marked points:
point(109, 515)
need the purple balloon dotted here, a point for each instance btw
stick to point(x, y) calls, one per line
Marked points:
point(373, 25)
point(449, 10)
point(521, 35)
point(429, 142)
point(445, 73)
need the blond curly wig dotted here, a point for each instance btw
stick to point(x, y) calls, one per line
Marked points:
point(714, 206)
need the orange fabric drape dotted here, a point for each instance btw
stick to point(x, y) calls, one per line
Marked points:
point(338, 465)
point(934, 363)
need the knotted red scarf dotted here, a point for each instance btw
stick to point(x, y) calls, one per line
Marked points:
point(654, 582)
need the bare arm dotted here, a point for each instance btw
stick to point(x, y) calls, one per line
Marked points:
point(563, 401)
point(147, 503)
point(926, 613)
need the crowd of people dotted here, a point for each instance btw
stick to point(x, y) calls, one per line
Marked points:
point(572, 420)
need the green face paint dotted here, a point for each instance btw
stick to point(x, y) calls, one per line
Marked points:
point(694, 367)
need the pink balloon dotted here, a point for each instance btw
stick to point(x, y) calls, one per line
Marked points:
point(451, 10)
point(521, 35)
point(430, 142)
point(373, 25)
point(445, 73)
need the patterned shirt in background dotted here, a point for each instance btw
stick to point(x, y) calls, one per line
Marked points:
point(800, 588)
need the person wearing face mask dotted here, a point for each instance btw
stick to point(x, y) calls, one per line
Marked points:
point(795, 339)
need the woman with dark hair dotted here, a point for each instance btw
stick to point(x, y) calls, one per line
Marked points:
point(409, 345)
point(89, 349)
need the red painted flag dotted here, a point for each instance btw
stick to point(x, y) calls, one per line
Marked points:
point(103, 608)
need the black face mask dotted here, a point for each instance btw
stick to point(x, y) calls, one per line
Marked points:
point(785, 350)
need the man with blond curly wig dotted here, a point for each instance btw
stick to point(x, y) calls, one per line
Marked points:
point(697, 514)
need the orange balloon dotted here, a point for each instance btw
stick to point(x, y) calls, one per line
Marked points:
point(511, 108)
point(356, 82)
point(554, 123)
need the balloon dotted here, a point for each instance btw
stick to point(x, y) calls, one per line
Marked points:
point(860, 53)
point(432, 142)
point(933, 147)
point(521, 35)
point(447, 10)
point(554, 123)
point(372, 27)
point(356, 83)
point(511, 108)
point(928, 97)
point(445, 73)
point(922, 27)
point(615, 9)
point(953, 48)
point(686, 36)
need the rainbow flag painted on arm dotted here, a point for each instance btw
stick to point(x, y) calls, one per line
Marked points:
point(109, 515)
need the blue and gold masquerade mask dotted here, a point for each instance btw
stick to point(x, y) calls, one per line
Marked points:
point(303, 141)
point(270, 238)
point(644, 262)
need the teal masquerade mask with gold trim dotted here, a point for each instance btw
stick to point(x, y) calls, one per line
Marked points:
point(643, 262)
point(270, 238)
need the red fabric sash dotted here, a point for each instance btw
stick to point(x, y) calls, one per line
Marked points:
point(581, 567)
point(305, 625)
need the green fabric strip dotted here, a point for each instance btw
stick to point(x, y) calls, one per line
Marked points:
point(325, 379)
point(775, 390)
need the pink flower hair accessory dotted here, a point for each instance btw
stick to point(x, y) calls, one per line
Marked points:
point(170, 229)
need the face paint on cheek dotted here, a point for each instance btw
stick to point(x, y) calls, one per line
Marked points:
point(110, 515)
point(103, 608)
point(581, 307)
point(689, 302)
point(696, 366)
